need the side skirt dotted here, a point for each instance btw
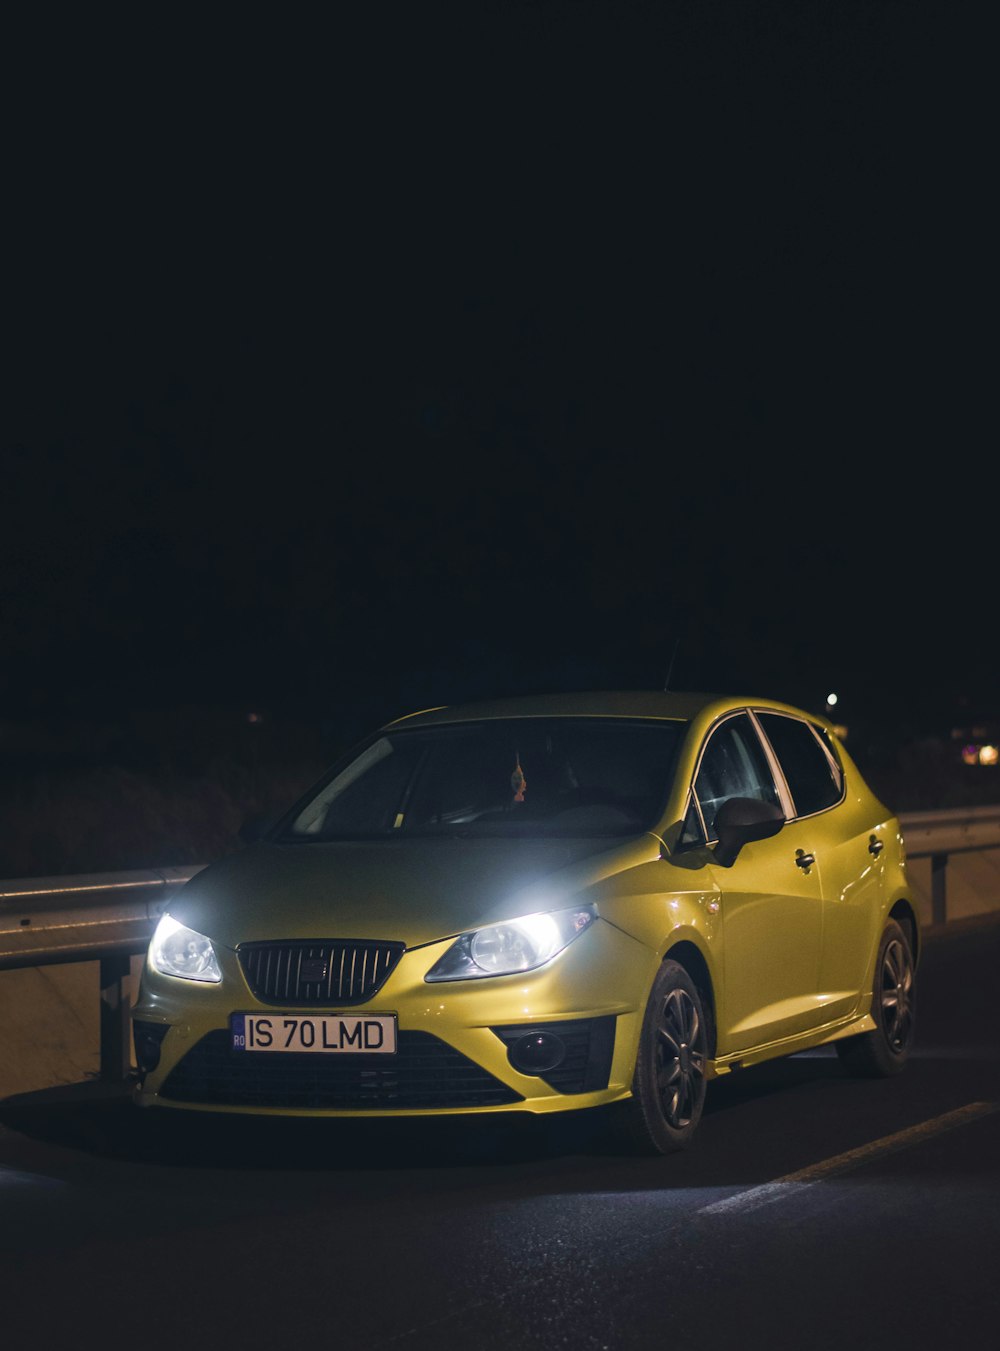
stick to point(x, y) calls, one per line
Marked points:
point(802, 1041)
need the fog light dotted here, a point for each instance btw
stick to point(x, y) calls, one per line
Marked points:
point(148, 1037)
point(537, 1053)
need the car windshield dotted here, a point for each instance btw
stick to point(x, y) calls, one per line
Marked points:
point(527, 777)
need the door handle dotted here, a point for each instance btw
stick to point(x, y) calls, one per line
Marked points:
point(875, 846)
point(804, 860)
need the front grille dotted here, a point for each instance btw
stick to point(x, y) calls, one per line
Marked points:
point(590, 1045)
point(424, 1073)
point(319, 971)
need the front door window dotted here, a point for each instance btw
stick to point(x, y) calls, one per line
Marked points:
point(734, 765)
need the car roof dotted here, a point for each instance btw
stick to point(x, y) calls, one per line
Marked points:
point(683, 707)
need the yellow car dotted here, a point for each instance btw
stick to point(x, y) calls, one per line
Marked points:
point(542, 904)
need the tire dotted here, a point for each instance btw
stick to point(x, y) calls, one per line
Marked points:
point(668, 1087)
point(884, 1052)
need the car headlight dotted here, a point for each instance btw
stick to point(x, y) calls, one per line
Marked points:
point(176, 950)
point(515, 945)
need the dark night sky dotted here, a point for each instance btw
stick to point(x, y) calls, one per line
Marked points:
point(479, 348)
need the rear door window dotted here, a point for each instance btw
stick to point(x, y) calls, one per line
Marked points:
point(733, 765)
point(812, 779)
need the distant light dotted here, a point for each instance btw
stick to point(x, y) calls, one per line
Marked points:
point(976, 753)
point(254, 717)
point(831, 699)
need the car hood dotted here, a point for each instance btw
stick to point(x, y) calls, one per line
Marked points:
point(414, 891)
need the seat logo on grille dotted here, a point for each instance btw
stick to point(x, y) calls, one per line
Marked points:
point(313, 969)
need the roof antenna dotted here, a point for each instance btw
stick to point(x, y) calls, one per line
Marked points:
point(670, 668)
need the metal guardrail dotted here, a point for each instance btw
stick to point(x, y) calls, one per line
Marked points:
point(103, 917)
point(110, 917)
point(44, 920)
point(939, 834)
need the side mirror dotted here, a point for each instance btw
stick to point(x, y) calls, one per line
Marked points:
point(740, 820)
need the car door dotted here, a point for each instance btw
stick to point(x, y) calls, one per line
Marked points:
point(770, 898)
point(848, 848)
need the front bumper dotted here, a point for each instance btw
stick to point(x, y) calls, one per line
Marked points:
point(454, 1039)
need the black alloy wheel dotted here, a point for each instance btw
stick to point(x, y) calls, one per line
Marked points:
point(896, 994)
point(680, 1059)
point(668, 1088)
point(885, 1050)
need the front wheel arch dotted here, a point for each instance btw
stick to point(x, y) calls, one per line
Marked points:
point(688, 955)
point(668, 1082)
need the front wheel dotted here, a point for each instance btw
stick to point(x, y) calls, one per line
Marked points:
point(668, 1087)
point(884, 1051)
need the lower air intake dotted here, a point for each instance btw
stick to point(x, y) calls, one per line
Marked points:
point(424, 1074)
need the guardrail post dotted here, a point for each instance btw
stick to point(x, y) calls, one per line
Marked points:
point(115, 1058)
point(939, 891)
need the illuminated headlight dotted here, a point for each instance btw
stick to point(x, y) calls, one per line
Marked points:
point(178, 951)
point(515, 945)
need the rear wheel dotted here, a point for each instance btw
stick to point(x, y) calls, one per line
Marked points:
point(885, 1050)
point(668, 1088)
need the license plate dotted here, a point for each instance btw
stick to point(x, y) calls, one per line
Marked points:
point(332, 1035)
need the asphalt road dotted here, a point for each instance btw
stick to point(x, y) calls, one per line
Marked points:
point(482, 1233)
